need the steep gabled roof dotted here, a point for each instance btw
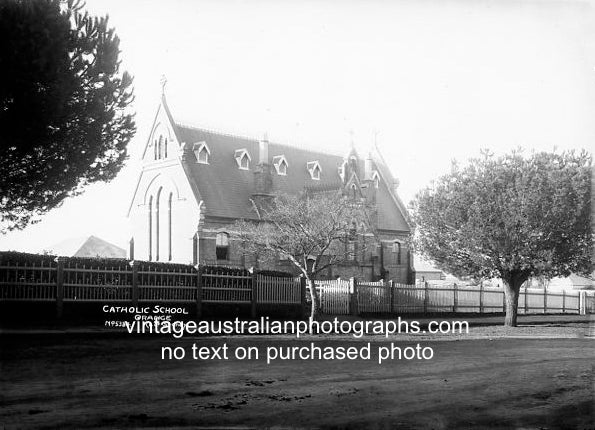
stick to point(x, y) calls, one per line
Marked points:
point(385, 217)
point(226, 190)
point(229, 188)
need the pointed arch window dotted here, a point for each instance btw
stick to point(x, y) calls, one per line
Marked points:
point(151, 228)
point(157, 224)
point(353, 191)
point(195, 249)
point(160, 148)
point(397, 252)
point(169, 217)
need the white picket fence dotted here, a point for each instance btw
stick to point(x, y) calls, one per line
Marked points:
point(334, 296)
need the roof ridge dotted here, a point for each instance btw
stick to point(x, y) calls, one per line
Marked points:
point(214, 131)
point(238, 136)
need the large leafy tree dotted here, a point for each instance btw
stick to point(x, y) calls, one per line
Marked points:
point(511, 217)
point(313, 231)
point(64, 106)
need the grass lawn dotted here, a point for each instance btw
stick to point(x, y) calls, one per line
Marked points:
point(114, 381)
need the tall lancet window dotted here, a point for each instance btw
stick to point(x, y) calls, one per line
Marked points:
point(169, 255)
point(151, 228)
point(157, 222)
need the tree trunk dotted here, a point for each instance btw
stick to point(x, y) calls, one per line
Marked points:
point(512, 303)
point(512, 286)
point(315, 307)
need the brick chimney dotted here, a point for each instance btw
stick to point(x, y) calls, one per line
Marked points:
point(263, 177)
point(368, 169)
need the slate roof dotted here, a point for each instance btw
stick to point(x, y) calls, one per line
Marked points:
point(229, 188)
point(226, 190)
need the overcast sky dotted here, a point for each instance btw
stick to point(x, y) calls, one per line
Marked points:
point(430, 81)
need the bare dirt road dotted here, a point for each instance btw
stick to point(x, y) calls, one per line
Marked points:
point(82, 381)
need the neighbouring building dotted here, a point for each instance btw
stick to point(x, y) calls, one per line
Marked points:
point(90, 246)
point(195, 183)
point(425, 271)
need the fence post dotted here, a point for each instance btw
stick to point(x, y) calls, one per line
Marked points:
point(455, 297)
point(544, 300)
point(59, 287)
point(392, 296)
point(481, 298)
point(354, 302)
point(425, 297)
point(253, 298)
point(526, 301)
point(198, 292)
point(135, 291)
point(563, 301)
point(581, 303)
point(303, 295)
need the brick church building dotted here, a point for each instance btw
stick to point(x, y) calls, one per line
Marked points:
point(195, 183)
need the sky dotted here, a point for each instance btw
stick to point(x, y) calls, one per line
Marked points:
point(427, 81)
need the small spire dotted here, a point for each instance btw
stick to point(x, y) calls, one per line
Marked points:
point(352, 140)
point(163, 82)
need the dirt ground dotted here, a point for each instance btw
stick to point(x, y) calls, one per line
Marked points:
point(115, 381)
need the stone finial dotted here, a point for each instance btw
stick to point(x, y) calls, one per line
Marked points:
point(163, 82)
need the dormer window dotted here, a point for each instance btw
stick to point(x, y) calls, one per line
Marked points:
point(280, 164)
point(376, 179)
point(314, 169)
point(243, 159)
point(202, 152)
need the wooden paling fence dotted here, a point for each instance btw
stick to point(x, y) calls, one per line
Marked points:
point(479, 299)
point(335, 296)
point(374, 297)
point(32, 278)
point(342, 297)
point(274, 290)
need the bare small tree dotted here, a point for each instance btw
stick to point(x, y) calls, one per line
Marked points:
point(312, 231)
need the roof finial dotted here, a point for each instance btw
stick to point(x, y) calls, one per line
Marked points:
point(163, 82)
point(352, 143)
